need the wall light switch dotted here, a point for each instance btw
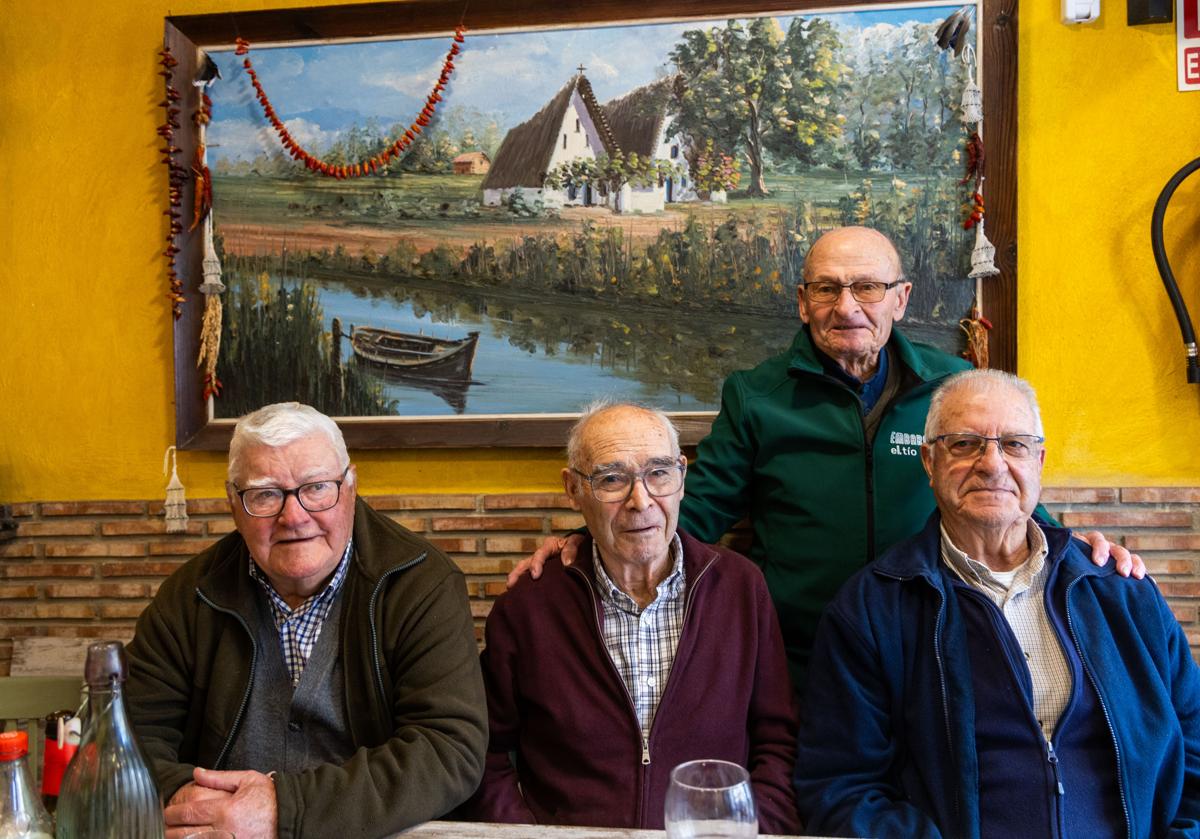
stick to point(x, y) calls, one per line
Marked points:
point(1080, 11)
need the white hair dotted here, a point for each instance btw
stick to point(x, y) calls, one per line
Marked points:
point(279, 425)
point(979, 380)
point(603, 406)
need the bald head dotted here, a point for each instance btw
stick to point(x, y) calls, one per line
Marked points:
point(844, 245)
point(842, 266)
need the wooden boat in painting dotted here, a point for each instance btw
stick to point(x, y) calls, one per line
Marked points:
point(418, 356)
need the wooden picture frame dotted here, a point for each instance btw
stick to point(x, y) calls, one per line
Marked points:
point(187, 35)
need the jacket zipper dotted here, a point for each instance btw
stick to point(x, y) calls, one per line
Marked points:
point(237, 720)
point(375, 656)
point(937, 655)
point(1103, 707)
point(687, 610)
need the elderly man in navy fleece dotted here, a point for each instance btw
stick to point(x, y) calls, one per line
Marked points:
point(983, 678)
point(650, 650)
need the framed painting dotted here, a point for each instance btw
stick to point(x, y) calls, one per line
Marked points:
point(612, 199)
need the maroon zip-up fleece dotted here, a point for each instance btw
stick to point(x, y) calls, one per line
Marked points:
point(557, 703)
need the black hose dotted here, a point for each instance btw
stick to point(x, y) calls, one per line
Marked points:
point(1164, 268)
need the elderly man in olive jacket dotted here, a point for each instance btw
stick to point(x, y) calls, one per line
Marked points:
point(315, 672)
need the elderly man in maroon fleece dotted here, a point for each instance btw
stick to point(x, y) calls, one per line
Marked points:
point(650, 650)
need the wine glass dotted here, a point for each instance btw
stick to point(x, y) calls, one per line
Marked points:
point(710, 798)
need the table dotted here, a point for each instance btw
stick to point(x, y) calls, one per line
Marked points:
point(481, 830)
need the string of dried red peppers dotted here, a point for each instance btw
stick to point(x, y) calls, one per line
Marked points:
point(363, 167)
point(176, 177)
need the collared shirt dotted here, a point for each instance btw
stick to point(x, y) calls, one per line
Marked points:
point(642, 642)
point(1020, 595)
point(868, 391)
point(300, 628)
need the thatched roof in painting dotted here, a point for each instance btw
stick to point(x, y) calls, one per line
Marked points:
point(637, 117)
point(524, 155)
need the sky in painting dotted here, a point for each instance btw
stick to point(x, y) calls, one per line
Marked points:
point(321, 91)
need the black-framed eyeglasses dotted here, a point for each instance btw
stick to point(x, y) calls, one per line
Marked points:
point(315, 497)
point(1012, 446)
point(659, 479)
point(864, 291)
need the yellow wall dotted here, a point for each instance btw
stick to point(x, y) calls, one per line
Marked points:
point(86, 370)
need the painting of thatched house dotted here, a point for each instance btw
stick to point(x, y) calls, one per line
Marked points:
point(573, 125)
point(472, 163)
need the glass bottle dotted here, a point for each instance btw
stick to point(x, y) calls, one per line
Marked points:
point(108, 791)
point(22, 815)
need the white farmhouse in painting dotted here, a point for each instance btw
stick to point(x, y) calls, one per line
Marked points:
point(573, 125)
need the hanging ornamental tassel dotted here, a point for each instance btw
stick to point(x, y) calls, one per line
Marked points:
point(175, 507)
point(972, 103)
point(983, 256)
point(976, 327)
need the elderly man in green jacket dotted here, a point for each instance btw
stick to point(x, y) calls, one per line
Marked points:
point(819, 446)
point(315, 672)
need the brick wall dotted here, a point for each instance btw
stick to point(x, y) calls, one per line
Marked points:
point(87, 569)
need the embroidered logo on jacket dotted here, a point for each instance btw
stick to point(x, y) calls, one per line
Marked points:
point(904, 443)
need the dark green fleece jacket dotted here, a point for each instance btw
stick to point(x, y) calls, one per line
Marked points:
point(790, 451)
point(414, 695)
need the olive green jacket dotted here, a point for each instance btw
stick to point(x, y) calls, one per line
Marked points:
point(413, 690)
point(789, 451)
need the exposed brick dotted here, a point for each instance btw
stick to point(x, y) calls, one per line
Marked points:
point(145, 527)
point(565, 521)
point(112, 632)
point(22, 510)
point(1169, 567)
point(206, 507)
point(414, 523)
point(219, 527)
point(1079, 495)
point(18, 549)
point(422, 502)
point(494, 589)
point(127, 590)
point(94, 508)
point(481, 608)
point(1160, 495)
point(525, 501)
point(1184, 613)
point(32, 570)
point(30, 529)
point(47, 610)
point(484, 565)
point(511, 545)
point(1126, 517)
point(1179, 588)
point(113, 548)
point(15, 591)
point(487, 523)
point(1163, 542)
point(130, 609)
point(145, 568)
point(179, 547)
point(455, 546)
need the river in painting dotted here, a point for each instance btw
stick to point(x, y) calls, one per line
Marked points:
point(538, 356)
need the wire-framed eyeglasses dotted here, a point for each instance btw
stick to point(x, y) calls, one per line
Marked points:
point(1012, 446)
point(315, 497)
point(864, 291)
point(659, 479)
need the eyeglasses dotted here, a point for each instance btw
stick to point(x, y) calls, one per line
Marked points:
point(659, 479)
point(1012, 446)
point(864, 291)
point(315, 497)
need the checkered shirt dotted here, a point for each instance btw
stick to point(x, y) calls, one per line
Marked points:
point(300, 628)
point(642, 642)
point(1020, 595)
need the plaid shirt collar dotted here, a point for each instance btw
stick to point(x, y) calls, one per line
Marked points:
point(669, 589)
point(299, 628)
